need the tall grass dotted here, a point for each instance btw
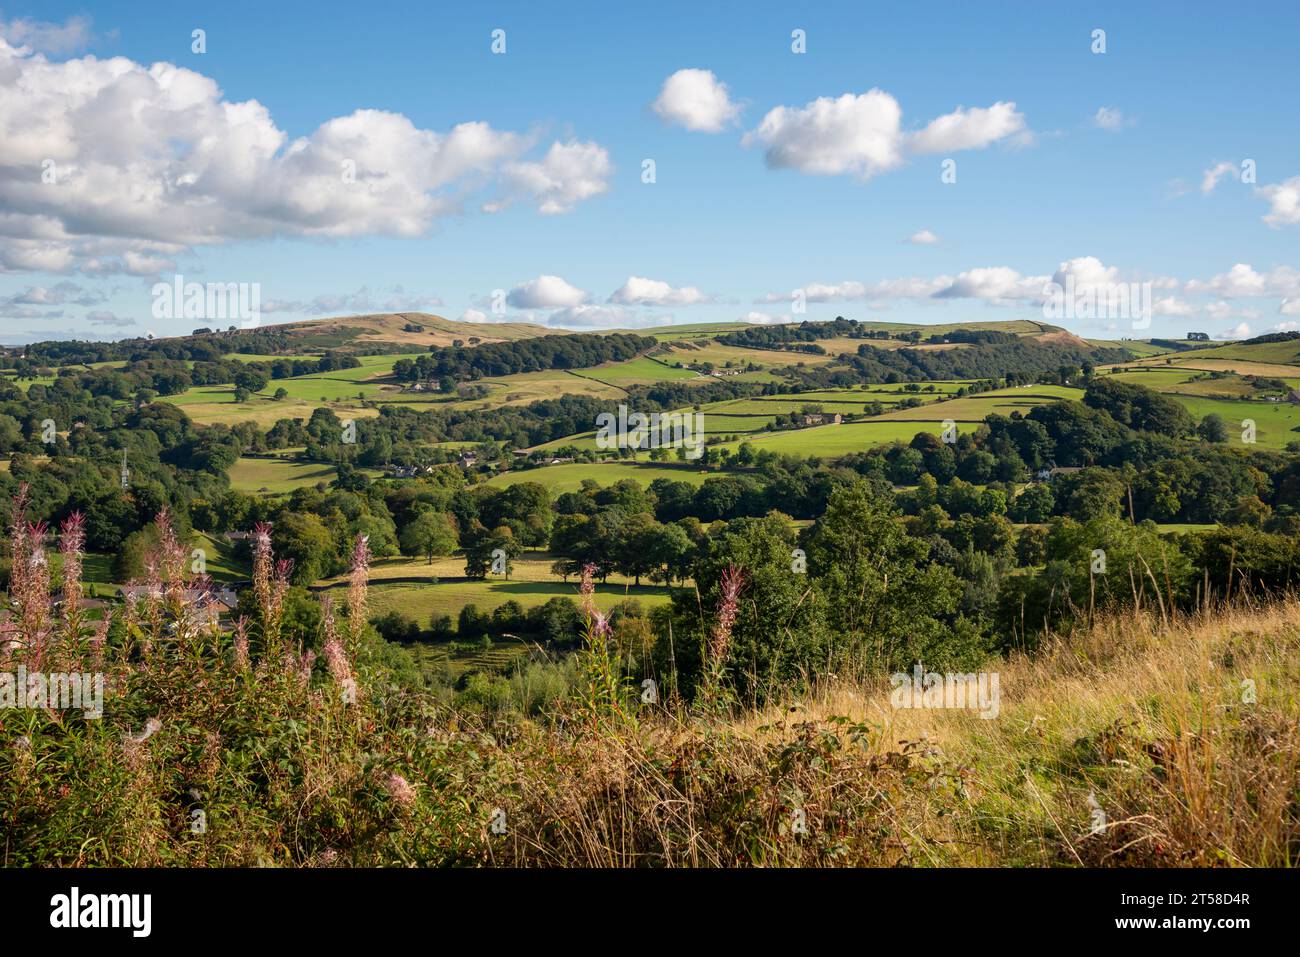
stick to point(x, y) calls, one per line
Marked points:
point(238, 747)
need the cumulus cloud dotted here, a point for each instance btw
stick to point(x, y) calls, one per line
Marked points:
point(696, 100)
point(763, 318)
point(105, 158)
point(972, 129)
point(1243, 281)
point(1284, 202)
point(861, 134)
point(1239, 331)
point(568, 174)
point(1172, 306)
point(922, 238)
point(546, 292)
point(639, 291)
point(995, 284)
point(1223, 310)
point(858, 134)
point(593, 316)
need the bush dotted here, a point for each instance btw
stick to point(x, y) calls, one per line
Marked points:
point(395, 626)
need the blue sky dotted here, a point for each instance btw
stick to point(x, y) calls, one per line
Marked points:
point(521, 172)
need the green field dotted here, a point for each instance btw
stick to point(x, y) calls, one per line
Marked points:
point(219, 557)
point(747, 417)
point(531, 583)
point(693, 330)
point(277, 475)
point(1138, 347)
point(569, 476)
point(707, 350)
point(1276, 423)
point(835, 440)
point(642, 370)
point(975, 408)
point(1183, 381)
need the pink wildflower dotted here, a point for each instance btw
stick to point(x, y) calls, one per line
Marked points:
point(400, 790)
point(733, 580)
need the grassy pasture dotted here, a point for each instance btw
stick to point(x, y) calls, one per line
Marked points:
point(1275, 422)
point(720, 355)
point(280, 475)
point(835, 440)
point(1184, 381)
point(569, 476)
point(531, 583)
point(642, 370)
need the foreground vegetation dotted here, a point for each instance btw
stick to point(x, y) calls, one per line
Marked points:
point(1155, 737)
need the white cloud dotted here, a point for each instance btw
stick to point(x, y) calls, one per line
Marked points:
point(821, 292)
point(138, 263)
point(151, 160)
point(858, 134)
point(1242, 281)
point(1172, 306)
point(763, 318)
point(696, 100)
point(862, 134)
point(996, 284)
point(1111, 119)
point(1284, 202)
point(1087, 272)
point(1210, 178)
point(904, 288)
point(922, 238)
point(972, 129)
point(1289, 307)
point(568, 174)
point(594, 316)
point(546, 292)
point(639, 291)
point(1239, 331)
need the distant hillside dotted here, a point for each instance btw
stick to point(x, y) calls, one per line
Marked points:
point(417, 329)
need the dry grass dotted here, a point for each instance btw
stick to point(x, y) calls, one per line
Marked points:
point(1152, 726)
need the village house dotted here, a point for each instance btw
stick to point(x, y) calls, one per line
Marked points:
point(209, 604)
point(818, 418)
point(1046, 475)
